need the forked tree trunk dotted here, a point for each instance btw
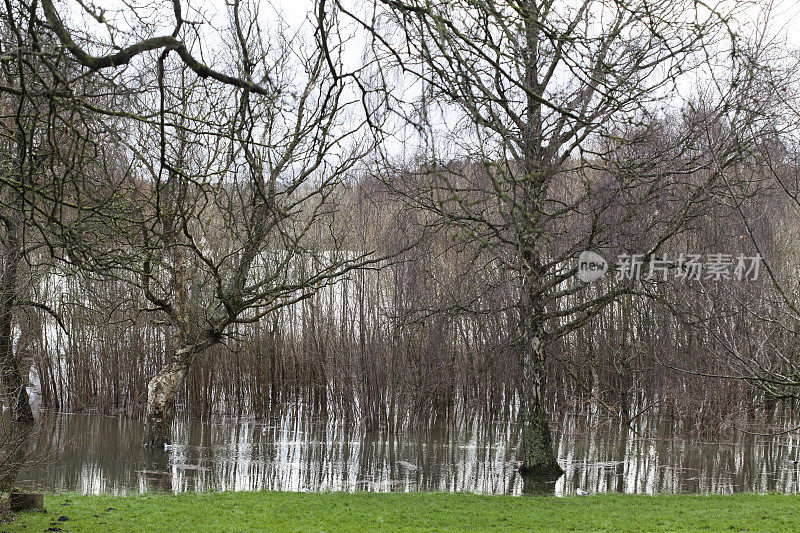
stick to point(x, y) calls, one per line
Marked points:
point(162, 392)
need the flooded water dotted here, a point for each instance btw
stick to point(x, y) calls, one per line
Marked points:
point(95, 454)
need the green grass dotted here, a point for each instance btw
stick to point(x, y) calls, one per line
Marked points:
point(282, 511)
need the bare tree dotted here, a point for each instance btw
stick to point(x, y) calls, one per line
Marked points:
point(549, 98)
point(46, 142)
point(755, 326)
point(223, 188)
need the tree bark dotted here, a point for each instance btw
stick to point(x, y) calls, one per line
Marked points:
point(537, 446)
point(14, 381)
point(537, 442)
point(162, 392)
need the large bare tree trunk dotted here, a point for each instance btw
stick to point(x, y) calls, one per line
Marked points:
point(537, 443)
point(13, 378)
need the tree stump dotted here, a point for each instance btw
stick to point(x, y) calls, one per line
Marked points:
point(20, 501)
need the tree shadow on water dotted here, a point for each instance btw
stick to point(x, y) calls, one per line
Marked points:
point(158, 474)
point(15, 451)
point(539, 485)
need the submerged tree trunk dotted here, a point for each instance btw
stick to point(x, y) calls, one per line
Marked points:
point(537, 446)
point(537, 443)
point(162, 392)
point(538, 457)
point(14, 381)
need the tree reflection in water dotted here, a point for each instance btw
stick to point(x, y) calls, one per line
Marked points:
point(301, 451)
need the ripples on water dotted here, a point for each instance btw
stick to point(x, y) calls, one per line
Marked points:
point(95, 454)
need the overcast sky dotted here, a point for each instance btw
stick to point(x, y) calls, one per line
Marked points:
point(783, 16)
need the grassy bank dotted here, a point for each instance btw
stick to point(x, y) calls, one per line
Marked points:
point(278, 511)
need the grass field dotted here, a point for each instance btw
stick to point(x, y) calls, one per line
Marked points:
point(282, 511)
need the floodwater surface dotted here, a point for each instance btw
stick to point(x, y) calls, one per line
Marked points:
point(98, 454)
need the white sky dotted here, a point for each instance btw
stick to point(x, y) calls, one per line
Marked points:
point(784, 13)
